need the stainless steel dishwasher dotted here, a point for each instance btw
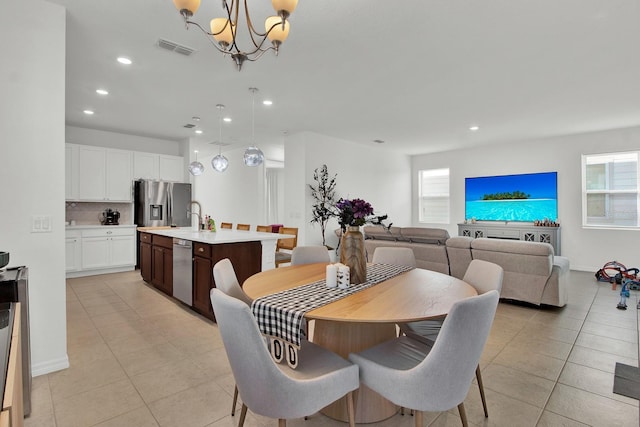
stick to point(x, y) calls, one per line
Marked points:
point(182, 271)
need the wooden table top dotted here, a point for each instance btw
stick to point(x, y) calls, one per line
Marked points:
point(415, 295)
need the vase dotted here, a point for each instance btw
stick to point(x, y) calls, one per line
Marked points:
point(352, 254)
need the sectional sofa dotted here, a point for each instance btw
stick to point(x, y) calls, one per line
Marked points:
point(532, 273)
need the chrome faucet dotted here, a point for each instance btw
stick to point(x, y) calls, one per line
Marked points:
point(199, 213)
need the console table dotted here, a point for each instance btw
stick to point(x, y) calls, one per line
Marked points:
point(513, 231)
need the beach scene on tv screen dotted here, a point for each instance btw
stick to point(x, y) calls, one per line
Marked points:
point(525, 197)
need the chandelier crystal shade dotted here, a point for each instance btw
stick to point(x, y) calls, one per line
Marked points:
point(223, 31)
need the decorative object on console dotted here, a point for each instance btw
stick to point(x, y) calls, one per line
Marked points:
point(324, 195)
point(351, 215)
point(224, 30)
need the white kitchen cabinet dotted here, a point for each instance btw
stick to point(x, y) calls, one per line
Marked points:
point(73, 251)
point(100, 249)
point(108, 247)
point(95, 252)
point(104, 174)
point(171, 168)
point(71, 172)
point(146, 165)
point(118, 183)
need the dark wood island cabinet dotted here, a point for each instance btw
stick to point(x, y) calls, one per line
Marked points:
point(156, 265)
point(246, 260)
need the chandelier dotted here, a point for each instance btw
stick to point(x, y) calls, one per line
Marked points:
point(224, 30)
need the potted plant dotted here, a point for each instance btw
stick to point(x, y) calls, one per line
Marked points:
point(324, 196)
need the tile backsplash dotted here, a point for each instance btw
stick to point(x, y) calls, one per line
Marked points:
point(90, 213)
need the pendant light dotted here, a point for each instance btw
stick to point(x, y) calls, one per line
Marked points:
point(253, 156)
point(196, 168)
point(220, 163)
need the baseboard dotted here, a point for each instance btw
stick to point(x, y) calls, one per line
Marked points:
point(83, 273)
point(50, 366)
point(585, 268)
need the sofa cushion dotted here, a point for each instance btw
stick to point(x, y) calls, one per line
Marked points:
point(433, 236)
point(512, 246)
point(379, 232)
point(460, 242)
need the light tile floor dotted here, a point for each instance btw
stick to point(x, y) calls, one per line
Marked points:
point(139, 358)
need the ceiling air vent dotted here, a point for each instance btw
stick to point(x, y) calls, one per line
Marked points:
point(175, 47)
point(189, 125)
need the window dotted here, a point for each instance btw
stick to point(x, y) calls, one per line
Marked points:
point(433, 190)
point(610, 196)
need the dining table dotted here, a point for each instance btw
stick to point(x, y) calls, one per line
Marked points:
point(365, 318)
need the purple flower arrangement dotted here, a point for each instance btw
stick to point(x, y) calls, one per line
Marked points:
point(357, 212)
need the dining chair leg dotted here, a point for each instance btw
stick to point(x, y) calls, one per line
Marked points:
point(235, 401)
point(243, 414)
point(282, 422)
point(418, 415)
point(481, 387)
point(463, 414)
point(351, 411)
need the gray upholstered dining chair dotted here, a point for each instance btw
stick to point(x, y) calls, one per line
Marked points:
point(484, 276)
point(226, 280)
point(309, 255)
point(424, 377)
point(397, 256)
point(275, 390)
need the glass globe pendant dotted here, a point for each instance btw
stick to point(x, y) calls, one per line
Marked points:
point(253, 156)
point(220, 163)
point(196, 168)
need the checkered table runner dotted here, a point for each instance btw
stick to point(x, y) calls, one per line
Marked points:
point(280, 315)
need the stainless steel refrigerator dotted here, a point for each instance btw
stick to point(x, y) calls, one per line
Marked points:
point(162, 203)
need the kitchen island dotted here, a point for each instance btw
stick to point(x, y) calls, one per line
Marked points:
point(249, 251)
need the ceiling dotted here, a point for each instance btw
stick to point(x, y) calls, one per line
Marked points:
point(415, 74)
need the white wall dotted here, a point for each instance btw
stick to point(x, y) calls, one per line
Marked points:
point(235, 195)
point(32, 134)
point(588, 249)
point(378, 176)
point(122, 141)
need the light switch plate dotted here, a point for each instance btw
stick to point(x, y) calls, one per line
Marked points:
point(41, 223)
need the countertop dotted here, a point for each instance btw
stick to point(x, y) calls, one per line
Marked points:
point(86, 226)
point(218, 237)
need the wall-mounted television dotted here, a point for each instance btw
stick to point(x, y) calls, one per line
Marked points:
point(524, 197)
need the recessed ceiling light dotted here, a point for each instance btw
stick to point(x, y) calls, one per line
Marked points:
point(474, 128)
point(123, 60)
point(195, 118)
point(198, 131)
point(102, 92)
point(88, 112)
point(227, 119)
point(267, 102)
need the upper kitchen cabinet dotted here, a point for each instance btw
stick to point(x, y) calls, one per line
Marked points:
point(104, 174)
point(146, 165)
point(171, 168)
point(158, 166)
